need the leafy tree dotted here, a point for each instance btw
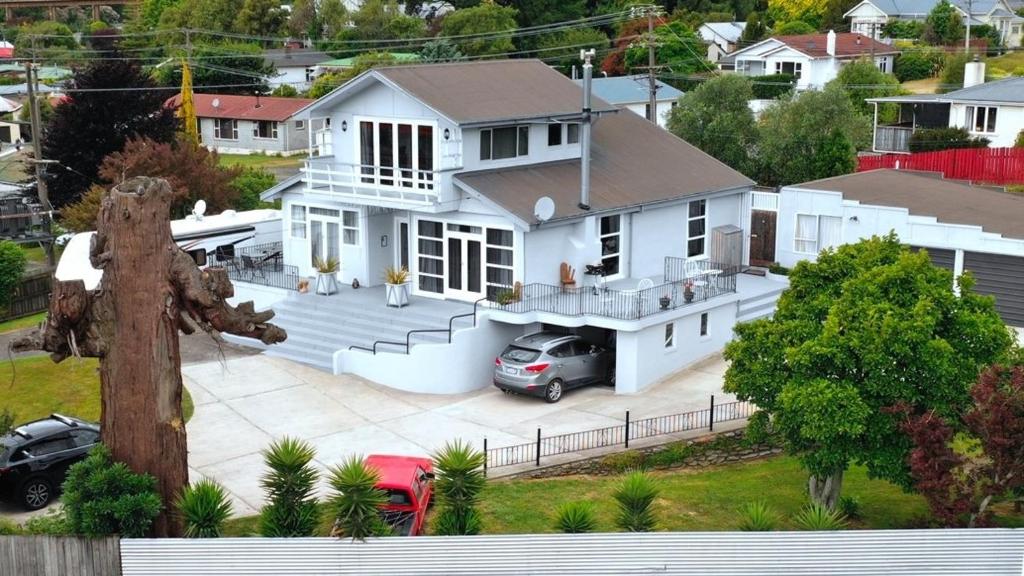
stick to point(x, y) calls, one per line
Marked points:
point(903, 29)
point(808, 11)
point(943, 25)
point(562, 50)
point(285, 91)
point(867, 326)
point(792, 137)
point(205, 507)
point(773, 86)
point(793, 28)
point(960, 485)
point(12, 266)
point(952, 76)
point(717, 119)
point(538, 12)
point(487, 18)
point(379, 20)
point(862, 79)
point(356, 501)
point(81, 216)
point(327, 82)
point(304, 20)
point(836, 156)
point(261, 18)
point(460, 480)
point(150, 11)
point(227, 68)
point(290, 483)
point(678, 47)
point(754, 31)
point(440, 50)
point(103, 497)
point(333, 17)
point(1019, 143)
point(832, 18)
point(250, 184)
point(635, 498)
point(614, 64)
point(45, 40)
point(989, 33)
point(918, 64)
point(109, 117)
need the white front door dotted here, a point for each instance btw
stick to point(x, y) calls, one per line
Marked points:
point(464, 269)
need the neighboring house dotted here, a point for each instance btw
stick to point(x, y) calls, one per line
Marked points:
point(870, 16)
point(722, 38)
point(964, 228)
point(815, 59)
point(992, 110)
point(234, 124)
point(446, 169)
point(342, 64)
point(295, 67)
point(633, 94)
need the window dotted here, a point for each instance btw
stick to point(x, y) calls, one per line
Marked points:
point(697, 229)
point(502, 143)
point(704, 324)
point(806, 238)
point(882, 65)
point(298, 221)
point(981, 118)
point(611, 243)
point(670, 335)
point(350, 228)
point(794, 68)
point(499, 262)
point(51, 446)
point(265, 129)
point(572, 133)
point(225, 129)
point(830, 232)
point(84, 437)
point(407, 146)
point(647, 111)
point(430, 256)
point(300, 124)
point(554, 134)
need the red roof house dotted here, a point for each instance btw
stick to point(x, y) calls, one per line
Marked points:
point(240, 124)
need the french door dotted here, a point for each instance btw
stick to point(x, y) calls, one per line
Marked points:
point(464, 270)
point(323, 241)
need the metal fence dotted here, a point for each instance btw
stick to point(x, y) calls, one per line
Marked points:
point(618, 435)
point(261, 264)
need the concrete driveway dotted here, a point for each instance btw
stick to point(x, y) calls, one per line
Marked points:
point(243, 404)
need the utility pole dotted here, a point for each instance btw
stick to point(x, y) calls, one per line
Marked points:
point(652, 42)
point(31, 77)
point(967, 37)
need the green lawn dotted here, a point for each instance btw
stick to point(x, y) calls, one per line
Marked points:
point(22, 323)
point(925, 86)
point(261, 161)
point(1007, 64)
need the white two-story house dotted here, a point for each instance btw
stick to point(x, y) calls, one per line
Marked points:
point(870, 16)
point(470, 175)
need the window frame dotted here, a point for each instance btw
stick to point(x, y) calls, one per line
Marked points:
point(555, 130)
point(704, 325)
point(257, 129)
point(521, 146)
point(218, 131)
point(346, 228)
point(300, 124)
point(304, 221)
point(988, 115)
point(670, 336)
point(392, 174)
point(572, 133)
point(797, 239)
point(620, 246)
point(703, 255)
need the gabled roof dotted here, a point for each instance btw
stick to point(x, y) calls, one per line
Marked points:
point(631, 90)
point(244, 107)
point(921, 8)
point(928, 194)
point(288, 58)
point(728, 31)
point(1008, 90)
point(848, 45)
point(633, 163)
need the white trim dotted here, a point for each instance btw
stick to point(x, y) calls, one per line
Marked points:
point(623, 249)
point(797, 240)
point(704, 237)
point(414, 252)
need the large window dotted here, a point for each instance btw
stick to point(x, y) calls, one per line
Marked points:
point(350, 227)
point(264, 129)
point(225, 129)
point(430, 247)
point(572, 133)
point(814, 233)
point(794, 68)
point(697, 229)
point(981, 118)
point(396, 154)
point(502, 143)
point(499, 262)
point(611, 243)
point(298, 221)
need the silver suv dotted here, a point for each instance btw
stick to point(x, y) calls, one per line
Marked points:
point(546, 364)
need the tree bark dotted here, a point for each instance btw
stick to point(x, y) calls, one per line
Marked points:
point(150, 289)
point(825, 490)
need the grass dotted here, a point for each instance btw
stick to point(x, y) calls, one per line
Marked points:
point(1011, 63)
point(40, 387)
point(261, 160)
point(22, 323)
point(925, 86)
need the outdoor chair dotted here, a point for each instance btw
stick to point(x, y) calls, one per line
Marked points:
point(642, 296)
point(252, 267)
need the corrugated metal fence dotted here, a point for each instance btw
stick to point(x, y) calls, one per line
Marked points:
point(995, 552)
point(59, 556)
point(983, 165)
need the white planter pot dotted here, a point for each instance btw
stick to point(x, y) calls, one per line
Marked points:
point(326, 283)
point(397, 294)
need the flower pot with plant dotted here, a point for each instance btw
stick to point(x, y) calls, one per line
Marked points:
point(688, 291)
point(326, 275)
point(396, 285)
point(665, 301)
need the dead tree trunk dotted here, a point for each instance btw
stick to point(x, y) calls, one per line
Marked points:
point(150, 289)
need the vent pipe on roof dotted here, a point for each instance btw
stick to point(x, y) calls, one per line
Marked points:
point(588, 76)
point(974, 72)
point(830, 43)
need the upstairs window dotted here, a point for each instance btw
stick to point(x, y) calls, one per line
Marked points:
point(697, 229)
point(572, 133)
point(503, 143)
point(225, 129)
point(554, 134)
point(611, 243)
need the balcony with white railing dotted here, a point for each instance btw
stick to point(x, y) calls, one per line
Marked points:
point(367, 184)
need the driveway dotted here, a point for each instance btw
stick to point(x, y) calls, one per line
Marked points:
point(243, 404)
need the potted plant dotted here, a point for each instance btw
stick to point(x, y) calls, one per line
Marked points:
point(665, 300)
point(505, 297)
point(396, 284)
point(688, 291)
point(326, 275)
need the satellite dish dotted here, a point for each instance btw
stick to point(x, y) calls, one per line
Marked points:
point(199, 209)
point(216, 102)
point(544, 209)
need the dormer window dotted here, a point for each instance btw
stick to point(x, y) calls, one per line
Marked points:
point(505, 142)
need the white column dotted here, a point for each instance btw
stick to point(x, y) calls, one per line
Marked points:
point(958, 269)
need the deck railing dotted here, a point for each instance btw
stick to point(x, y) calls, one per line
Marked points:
point(261, 264)
point(389, 183)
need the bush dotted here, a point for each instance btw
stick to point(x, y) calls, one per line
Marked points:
point(918, 64)
point(903, 29)
point(673, 454)
point(9, 528)
point(12, 266)
point(103, 497)
point(459, 480)
point(623, 461)
point(758, 517)
point(779, 269)
point(289, 483)
point(250, 184)
point(772, 86)
point(849, 506)
point(1019, 143)
point(205, 507)
point(575, 517)
point(356, 501)
point(285, 91)
point(816, 517)
point(452, 522)
point(952, 77)
point(635, 498)
point(933, 139)
point(793, 27)
point(53, 523)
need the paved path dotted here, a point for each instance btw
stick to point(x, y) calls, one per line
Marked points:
point(244, 403)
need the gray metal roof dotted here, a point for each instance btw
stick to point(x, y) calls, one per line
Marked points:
point(305, 58)
point(728, 31)
point(981, 552)
point(1008, 90)
point(630, 89)
point(912, 8)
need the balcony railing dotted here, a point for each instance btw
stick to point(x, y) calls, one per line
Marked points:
point(892, 138)
point(261, 264)
point(368, 182)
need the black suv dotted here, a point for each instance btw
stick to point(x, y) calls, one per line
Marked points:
point(35, 457)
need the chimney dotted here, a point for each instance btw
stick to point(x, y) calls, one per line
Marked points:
point(588, 74)
point(974, 73)
point(830, 43)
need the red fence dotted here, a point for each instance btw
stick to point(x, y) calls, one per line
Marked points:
point(988, 165)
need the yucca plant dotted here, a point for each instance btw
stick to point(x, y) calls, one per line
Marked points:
point(635, 497)
point(817, 517)
point(575, 517)
point(758, 517)
point(204, 506)
point(289, 484)
point(326, 266)
point(459, 471)
point(393, 275)
point(356, 500)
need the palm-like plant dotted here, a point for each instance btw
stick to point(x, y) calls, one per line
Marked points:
point(758, 517)
point(575, 517)
point(289, 484)
point(818, 517)
point(635, 497)
point(356, 501)
point(459, 480)
point(204, 506)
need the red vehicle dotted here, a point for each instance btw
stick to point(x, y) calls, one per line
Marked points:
point(408, 482)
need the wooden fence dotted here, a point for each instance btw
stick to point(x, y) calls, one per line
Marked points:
point(30, 296)
point(983, 165)
point(59, 556)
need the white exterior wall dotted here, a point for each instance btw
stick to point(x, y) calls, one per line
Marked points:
point(539, 151)
point(815, 72)
point(1009, 123)
point(545, 249)
point(866, 18)
point(294, 76)
point(290, 140)
point(664, 107)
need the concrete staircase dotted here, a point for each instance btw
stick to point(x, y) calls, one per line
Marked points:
point(759, 305)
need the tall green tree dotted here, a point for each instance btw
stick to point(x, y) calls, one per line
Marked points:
point(261, 18)
point(333, 17)
point(380, 20)
point(290, 483)
point(356, 501)
point(538, 12)
point(440, 50)
point(716, 118)
point(487, 18)
point(562, 50)
point(304, 21)
point(754, 31)
point(215, 15)
point(862, 79)
point(12, 266)
point(150, 11)
point(460, 480)
point(943, 25)
point(223, 68)
point(678, 47)
point(866, 327)
point(793, 28)
point(832, 18)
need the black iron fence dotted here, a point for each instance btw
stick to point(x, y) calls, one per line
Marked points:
point(618, 435)
point(261, 264)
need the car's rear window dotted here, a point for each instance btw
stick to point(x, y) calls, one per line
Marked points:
point(517, 354)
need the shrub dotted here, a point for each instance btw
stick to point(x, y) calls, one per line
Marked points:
point(758, 517)
point(6, 421)
point(772, 86)
point(53, 523)
point(635, 498)
point(849, 506)
point(918, 64)
point(779, 269)
point(1019, 143)
point(104, 497)
point(12, 266)
point(459, 481)
point(289, 483)
point(9, 528)
point(674, 453)
point(356, 501)
point(623, 461)
point(903, 29)
point(575, 517)
point(817, 517)
point(933, 139)
point(250, 183)
point(285, 91)
point(205, 507)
